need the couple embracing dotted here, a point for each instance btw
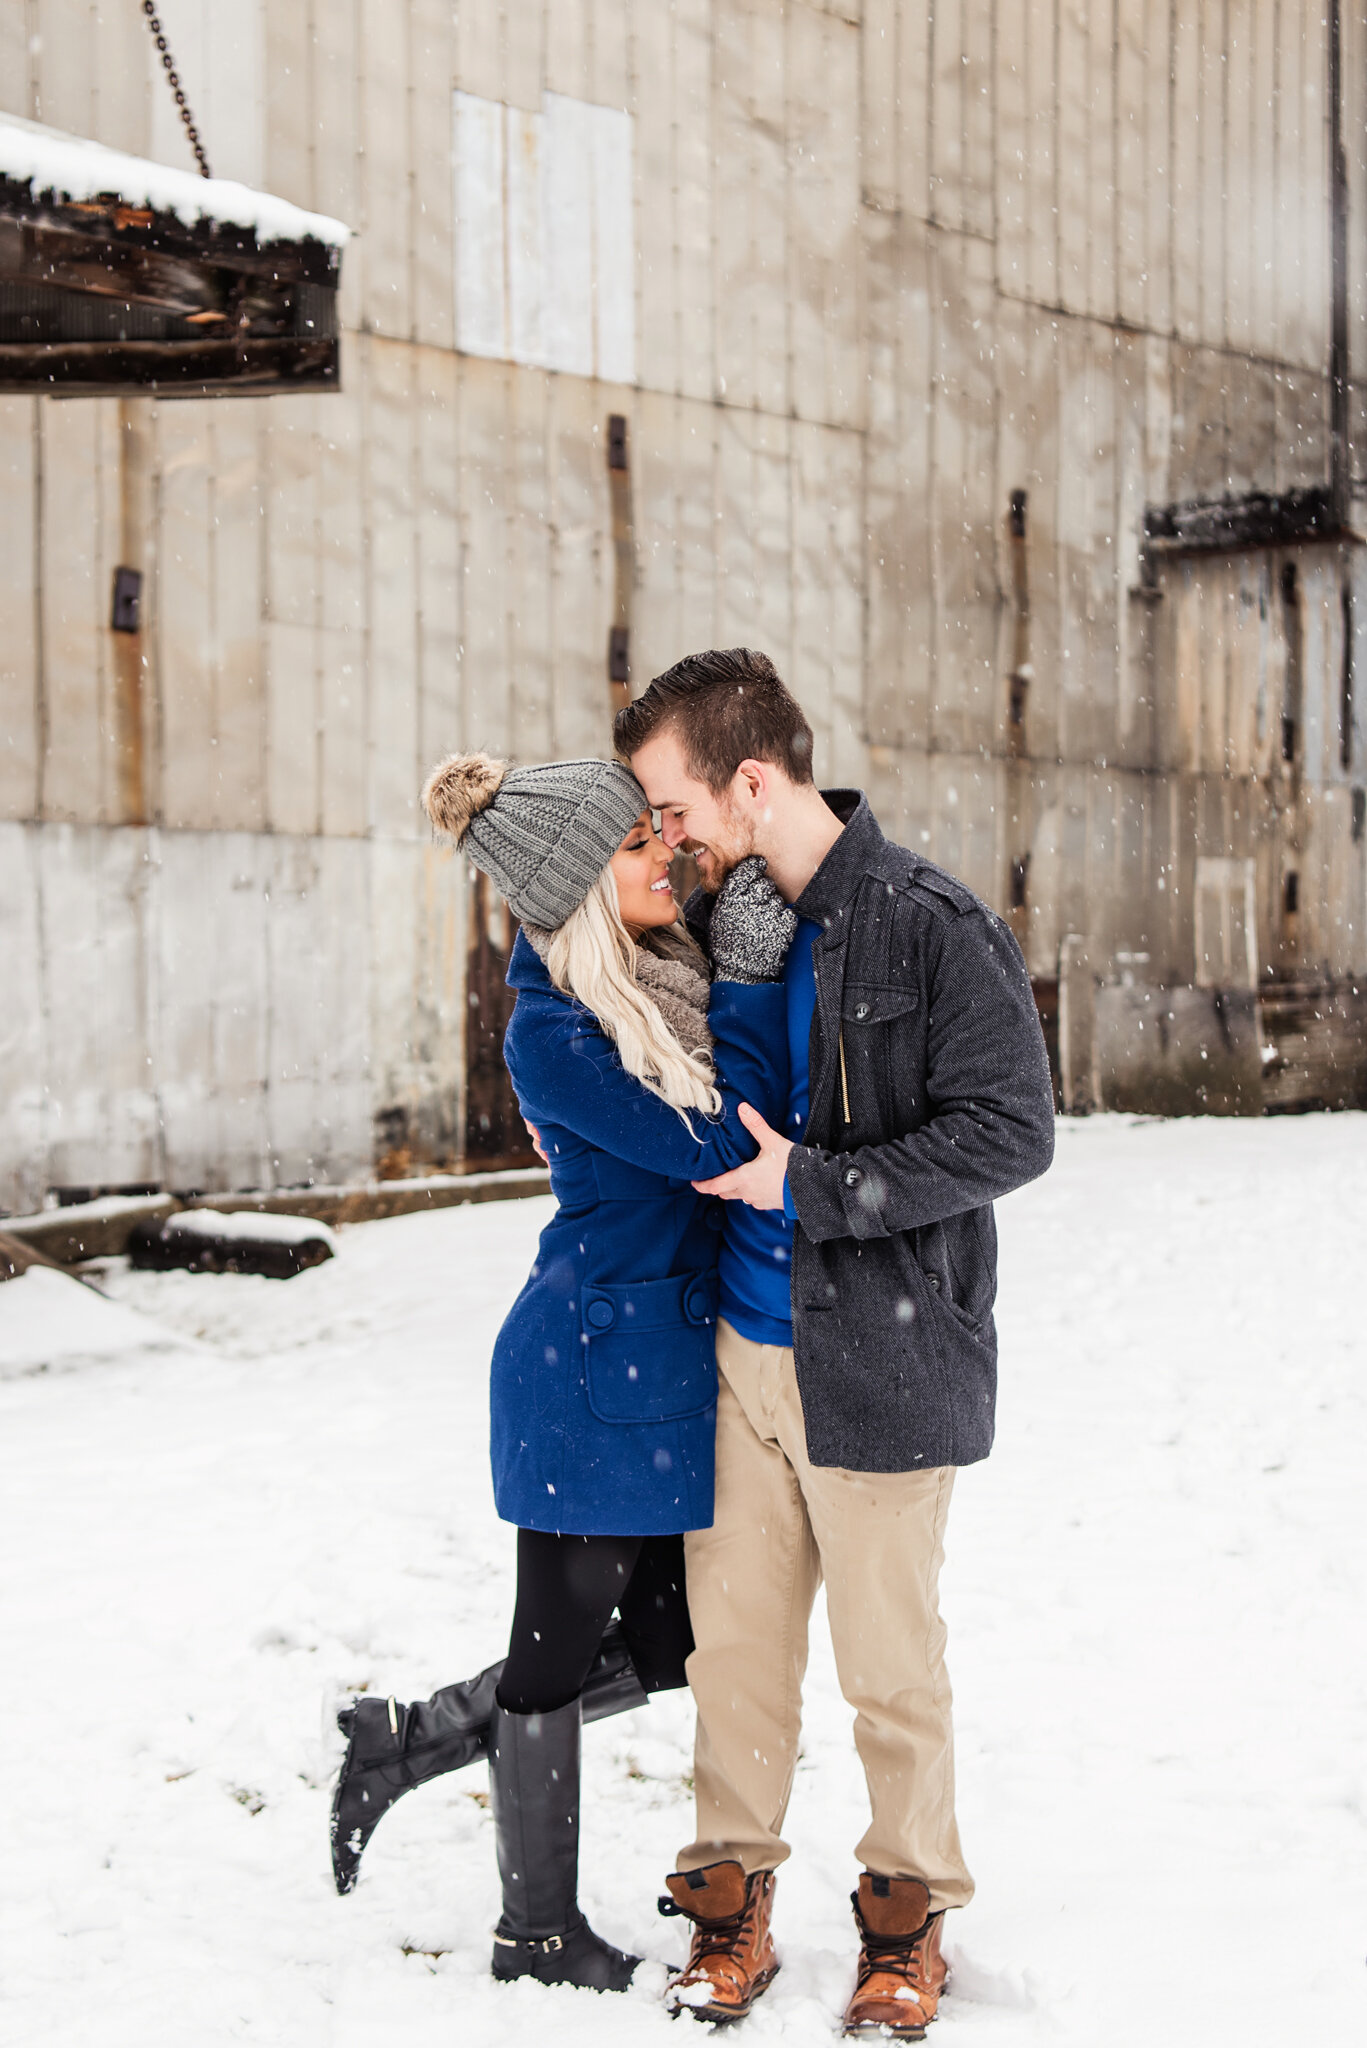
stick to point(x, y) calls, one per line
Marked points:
point(757, 1339)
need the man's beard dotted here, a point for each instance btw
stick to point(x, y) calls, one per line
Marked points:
point(721, 858)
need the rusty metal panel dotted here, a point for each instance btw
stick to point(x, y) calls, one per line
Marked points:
point(1316, 1035)
point(493, 1123)
point(1178, 1051)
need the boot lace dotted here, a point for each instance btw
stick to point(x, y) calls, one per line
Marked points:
point(903, 1955)
point(723, 1937)
point(716, 1938)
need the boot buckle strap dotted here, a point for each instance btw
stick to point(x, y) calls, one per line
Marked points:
point(549, 1947)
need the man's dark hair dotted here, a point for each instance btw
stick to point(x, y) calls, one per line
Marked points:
point(727, 706)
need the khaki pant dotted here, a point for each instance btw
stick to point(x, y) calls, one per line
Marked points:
point(782, 1524)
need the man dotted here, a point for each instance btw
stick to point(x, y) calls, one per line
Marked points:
point(855, 1346)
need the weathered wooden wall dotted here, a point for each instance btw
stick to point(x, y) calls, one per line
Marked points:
point(892, 262)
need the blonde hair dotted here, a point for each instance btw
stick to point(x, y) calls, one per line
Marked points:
point(592, 957)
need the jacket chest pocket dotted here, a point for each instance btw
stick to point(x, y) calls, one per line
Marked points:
point(873, 1018)
point(869, 1003)
point(650, 1348)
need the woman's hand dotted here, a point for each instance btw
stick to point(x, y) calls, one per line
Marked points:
point(752, 927)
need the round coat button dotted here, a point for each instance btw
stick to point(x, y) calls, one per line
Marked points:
point(600, 1315)
point(853, 1177)
point(695, 1303)
point(933, 1280)
point(861, 1011)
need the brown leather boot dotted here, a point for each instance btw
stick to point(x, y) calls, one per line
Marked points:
point(901, 1971)
point(732, 1958)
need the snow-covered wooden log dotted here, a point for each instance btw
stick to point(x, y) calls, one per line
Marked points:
point(215, 1241)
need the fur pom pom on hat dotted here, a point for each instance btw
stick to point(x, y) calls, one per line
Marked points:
point(543, 835)
point(458, 789)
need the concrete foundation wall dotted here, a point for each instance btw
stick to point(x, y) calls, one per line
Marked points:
point(220, 1010)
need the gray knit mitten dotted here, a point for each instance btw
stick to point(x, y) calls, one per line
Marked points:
point(752, 927)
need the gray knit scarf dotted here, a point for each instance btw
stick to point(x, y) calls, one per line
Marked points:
point(671, 968)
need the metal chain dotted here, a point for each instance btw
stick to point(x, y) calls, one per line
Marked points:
point(169, 67)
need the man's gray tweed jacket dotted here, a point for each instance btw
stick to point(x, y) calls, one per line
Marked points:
point(941, 1102)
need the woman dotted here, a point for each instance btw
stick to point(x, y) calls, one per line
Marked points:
point(629, 1069)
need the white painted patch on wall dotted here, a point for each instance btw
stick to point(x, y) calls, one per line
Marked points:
point(545, 247)
point(1226, 923)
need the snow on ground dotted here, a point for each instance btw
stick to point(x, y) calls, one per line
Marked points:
point(230, 1500)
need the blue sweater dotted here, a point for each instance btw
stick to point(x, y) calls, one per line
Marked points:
point(757, 1244)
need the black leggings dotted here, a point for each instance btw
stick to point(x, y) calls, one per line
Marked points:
point(567, 1590)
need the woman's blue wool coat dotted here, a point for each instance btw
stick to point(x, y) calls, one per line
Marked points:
point(604, 1384)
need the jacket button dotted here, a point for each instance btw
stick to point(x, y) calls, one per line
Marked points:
point(861, 1011)
point(695, 1304)
point(600, 1315)
point(933, 1280)
point(853, 1177)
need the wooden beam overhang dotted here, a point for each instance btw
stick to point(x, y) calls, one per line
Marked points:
point(102, 295)
point(1254, 519)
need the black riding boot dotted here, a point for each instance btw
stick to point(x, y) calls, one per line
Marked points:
point(534, 1787)
point(391, 1748)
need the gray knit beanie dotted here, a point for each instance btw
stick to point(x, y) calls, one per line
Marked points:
point(543, 835)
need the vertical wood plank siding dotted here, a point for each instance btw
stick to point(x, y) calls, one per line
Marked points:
point(888, 263)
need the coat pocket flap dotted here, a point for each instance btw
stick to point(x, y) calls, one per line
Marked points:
point(683, 1298)
point(876, 1002)
point(649, 1348)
